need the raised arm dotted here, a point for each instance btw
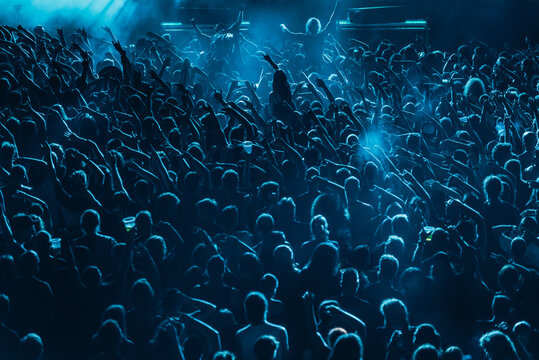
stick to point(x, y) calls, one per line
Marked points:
point(331, 18)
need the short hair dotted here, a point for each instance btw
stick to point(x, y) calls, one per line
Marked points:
point(157, 247)
point(453, 353)
point(348, 346)
point(4, 306)
point(394, 245)
point(28, 262)
point(215, 266)
point(141, 292)
point(426, 334)
point(224, 355)
point(256, 307)
point(508, 276)
point(349, 276)
point(394, 309)
point(265, 347)
point(110, 333)
point(143, 219)
point(388, 266)
point(265, 223)
point(287, 204)
point(498, 345)
point(269, 284)
point(492, 185)
point(501, 152)
point(208, 207)
point(31, 347)
point(501, 305)
point(230, 179)
point(90, 221)
point(334, 335)
point(426, 352)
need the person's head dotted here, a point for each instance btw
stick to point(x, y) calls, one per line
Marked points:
point(529, 139)
point(230, 180)
point(91, 277)
point(90, 221)
point(523, 331)
point(142, 294)
point(334, 335)
point(165, 206)
point(498, 346)
point(268, 285)
point(473, 89)
point(426, 352)
point(319, 227)
point(394, 312)
point(453, 353)
point(388, 267)
point(110, 336)
point(42, 243)
point(30, 347)
point(207, 210)
point(313, 26)
point(255, 307)
point(215, 268)
point(269, 192)
point(501, 153)
point(518, 247)
point(324, 260)
point(265, 223)
point(283, 258)
point(229, 217)
point(492, 186)
point(28, 263)
point(4, 307)
point(361, 257)
point(426, 334)
point(224, 355)
point(157, 247)
point(501, 307)
point(349, 281)
point(347, 347)
point(115, 312)
point(143, 223)
point(287, 209)
point(508, 277)
point(266, 348)
point(394, 246)
point(351, 187)
point(400, 224)
point(7, 151)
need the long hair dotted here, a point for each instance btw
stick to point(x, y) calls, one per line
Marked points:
point(281, 86)
point(324, 261)
point(313, 26)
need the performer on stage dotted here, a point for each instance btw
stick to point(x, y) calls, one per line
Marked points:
point(313, 37)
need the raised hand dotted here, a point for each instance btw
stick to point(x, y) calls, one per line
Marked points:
point(118, 47)
point(320, 83)
point(154, 75)
point(106, 29)
point(218, 96)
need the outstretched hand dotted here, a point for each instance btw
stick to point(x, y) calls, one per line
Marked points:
point(118, 47)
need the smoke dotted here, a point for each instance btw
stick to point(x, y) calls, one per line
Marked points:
point(126, 18)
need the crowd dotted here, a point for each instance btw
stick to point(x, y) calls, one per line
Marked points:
point(224, 199)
